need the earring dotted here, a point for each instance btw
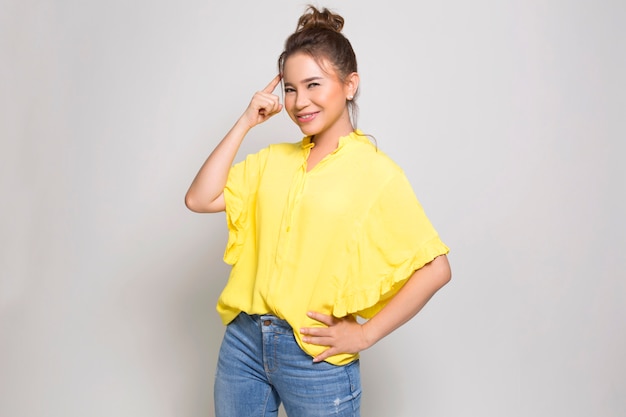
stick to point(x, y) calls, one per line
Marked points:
point(350, 98)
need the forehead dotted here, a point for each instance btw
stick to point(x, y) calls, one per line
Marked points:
point(301, 66)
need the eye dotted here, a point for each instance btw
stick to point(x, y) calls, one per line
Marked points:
point(289, 89)
point(311, 85)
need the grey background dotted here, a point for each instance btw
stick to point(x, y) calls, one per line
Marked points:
point(508, 118)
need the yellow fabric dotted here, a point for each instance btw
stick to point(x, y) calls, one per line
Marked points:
point(340, 239)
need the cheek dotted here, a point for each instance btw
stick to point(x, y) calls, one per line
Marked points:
point(288, 103)
point(332, 98)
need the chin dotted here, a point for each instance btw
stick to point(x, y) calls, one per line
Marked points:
point(308, 131)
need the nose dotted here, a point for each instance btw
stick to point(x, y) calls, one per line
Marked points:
point(302, 100)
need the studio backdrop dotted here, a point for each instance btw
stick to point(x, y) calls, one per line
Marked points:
point(507, 118)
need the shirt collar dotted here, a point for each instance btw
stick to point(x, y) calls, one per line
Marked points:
point(357, 134)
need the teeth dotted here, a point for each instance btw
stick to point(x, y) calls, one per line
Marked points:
point(307, 116)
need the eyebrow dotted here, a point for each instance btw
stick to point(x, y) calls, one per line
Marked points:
point(307, 80)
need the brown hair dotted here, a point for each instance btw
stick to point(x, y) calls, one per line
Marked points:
point(318, 35)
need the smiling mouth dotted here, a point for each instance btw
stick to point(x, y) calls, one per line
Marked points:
point(306, 117)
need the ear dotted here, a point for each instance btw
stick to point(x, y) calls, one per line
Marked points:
point(352, 84)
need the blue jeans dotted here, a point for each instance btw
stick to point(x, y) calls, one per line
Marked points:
point(261, 365)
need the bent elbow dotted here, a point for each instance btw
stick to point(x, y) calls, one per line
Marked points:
point(447, 276)
point(194, 204)
point(444, 272)
point(190, 203)
point(200, 205)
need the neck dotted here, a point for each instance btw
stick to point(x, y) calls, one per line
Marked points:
point(330, 139)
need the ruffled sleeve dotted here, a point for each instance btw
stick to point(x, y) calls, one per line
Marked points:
point(240, 197)
point(393, 240)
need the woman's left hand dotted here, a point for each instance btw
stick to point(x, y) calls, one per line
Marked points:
point(342, 335)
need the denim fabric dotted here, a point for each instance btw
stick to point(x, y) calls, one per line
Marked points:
point(261, 365)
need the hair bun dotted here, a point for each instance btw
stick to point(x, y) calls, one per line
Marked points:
point(313, 18)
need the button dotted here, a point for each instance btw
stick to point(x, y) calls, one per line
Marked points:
point(267, 322)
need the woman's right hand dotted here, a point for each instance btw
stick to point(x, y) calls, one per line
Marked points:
point(264, 104)
point(206, 193)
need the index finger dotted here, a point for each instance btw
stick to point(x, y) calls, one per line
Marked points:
point(322, 318)
point(272, 85)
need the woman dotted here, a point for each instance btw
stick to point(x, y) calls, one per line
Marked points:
point(320, 231)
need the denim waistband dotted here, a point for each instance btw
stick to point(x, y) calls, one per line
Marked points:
point(271, 323)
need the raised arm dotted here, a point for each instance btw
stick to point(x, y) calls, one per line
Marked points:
point(206, 193)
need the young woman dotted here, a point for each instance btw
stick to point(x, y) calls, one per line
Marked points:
point(320, 231)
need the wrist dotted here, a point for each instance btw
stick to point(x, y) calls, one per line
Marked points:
point(243, 124)
point(369, 338)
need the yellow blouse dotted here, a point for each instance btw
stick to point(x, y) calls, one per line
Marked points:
point(340, 239)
